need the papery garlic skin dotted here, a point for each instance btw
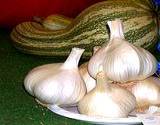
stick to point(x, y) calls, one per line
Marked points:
point(127, 63)
point(95, 64)
point(107, 100)
point(121, 60)
point(63, 86)
point(37, 74)
point(147, 92)
point(89, 81)
point(60, 89)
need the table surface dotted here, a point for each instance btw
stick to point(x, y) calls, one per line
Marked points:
point(17, 107)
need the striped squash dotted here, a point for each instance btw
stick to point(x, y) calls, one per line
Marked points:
point(89, 29)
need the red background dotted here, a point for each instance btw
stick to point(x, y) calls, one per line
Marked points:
point(13, 12)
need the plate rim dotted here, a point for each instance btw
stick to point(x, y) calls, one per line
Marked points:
point(99, 120)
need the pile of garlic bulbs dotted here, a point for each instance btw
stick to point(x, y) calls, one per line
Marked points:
point(116, 80)
point(128, 66)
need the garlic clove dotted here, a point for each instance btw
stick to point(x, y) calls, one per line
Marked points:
point(121, 60)
point(96, 62)
point(61, 86)
point(147, 92)
point(89, 81)
point(107, 100)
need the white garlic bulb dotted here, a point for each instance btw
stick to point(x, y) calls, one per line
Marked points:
point(107, 100)
point(89, 81)
point(147, 92)
point(62, 85)
point(37, 74)
point(121, 60)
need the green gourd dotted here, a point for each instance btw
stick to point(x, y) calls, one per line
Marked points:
point(89, 29)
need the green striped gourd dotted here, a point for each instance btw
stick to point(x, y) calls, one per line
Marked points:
point(89, 29)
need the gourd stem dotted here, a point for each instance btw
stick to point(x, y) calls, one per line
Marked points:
point(73, 58)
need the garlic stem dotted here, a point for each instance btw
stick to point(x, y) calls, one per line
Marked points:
point(102, 83)
point(117, 29)
point(73, 58)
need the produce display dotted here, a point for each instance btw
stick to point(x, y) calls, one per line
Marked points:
point(119, 79)
point(88, 29)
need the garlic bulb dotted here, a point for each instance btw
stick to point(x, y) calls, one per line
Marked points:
point(107, 100)
point(147, 92)
point(121, 60)
point(37, 74)
point(89, 81)
point(62, 85)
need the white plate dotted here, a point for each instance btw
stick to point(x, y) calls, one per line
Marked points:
point(73, 113)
